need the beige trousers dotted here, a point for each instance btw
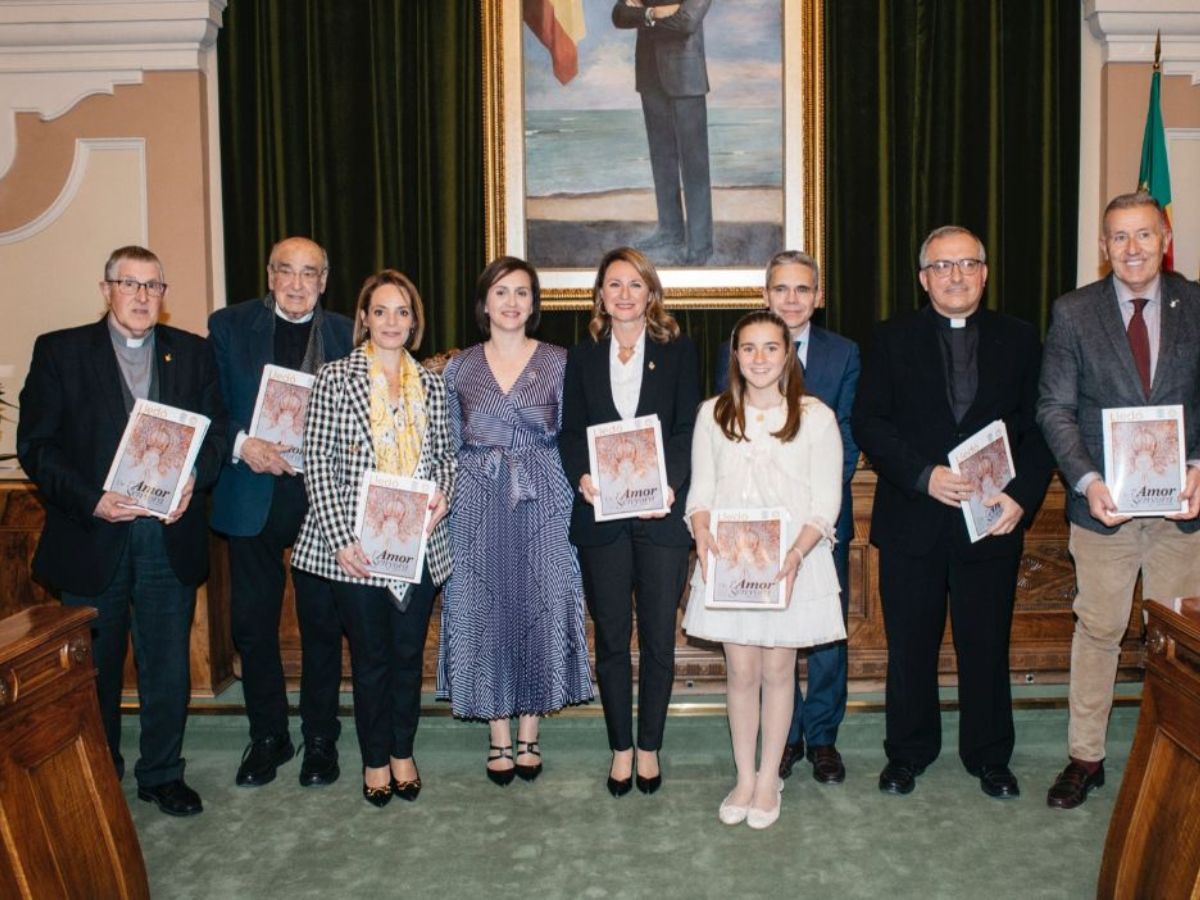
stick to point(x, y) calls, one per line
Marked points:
point(1106, 569)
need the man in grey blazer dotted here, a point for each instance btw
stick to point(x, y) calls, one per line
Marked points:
point(1131, 339)
point(672, 79)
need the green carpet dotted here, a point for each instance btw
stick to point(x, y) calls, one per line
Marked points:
point(564, 836)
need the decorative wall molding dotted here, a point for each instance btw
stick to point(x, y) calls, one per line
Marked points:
point(56, 52)
point(84, 148)
point(1127, 29)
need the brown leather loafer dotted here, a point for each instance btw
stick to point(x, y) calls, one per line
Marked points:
point(827, 766)
point(1073, 784)
point(791, 753)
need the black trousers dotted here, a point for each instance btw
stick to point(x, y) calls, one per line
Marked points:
point(257, 578)
point(677, 133)
point(914, 593)
point(146, 599)
point(386, 654)
point(655, 576)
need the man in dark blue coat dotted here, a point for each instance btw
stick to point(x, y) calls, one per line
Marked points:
point(831, 366)
point(260, 502)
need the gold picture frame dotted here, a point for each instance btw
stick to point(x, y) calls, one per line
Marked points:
point(705, 287)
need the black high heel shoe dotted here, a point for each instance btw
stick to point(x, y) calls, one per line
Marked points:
point(501, 777)
point(529, 748)
point(377, 796)
point(406, 790)
point(618, 787)
point(652, 784)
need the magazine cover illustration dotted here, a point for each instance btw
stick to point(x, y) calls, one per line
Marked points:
point(749, 554)
point(155, 457)
point(280, 410)
point(1143, 459)
point(986, 459)
point(628, 468)
point(392, 516)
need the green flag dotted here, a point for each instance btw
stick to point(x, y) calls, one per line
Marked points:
point(1154, 176)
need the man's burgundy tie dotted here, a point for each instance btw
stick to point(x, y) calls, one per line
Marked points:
point(1139, 343)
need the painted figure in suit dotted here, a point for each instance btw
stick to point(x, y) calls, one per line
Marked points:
point(138, 571)
point(378, 409)
point(831, 367)
point(672, 79)
point(934, 378)
point(260, 502)
point(1129, 339)
point(635, 363)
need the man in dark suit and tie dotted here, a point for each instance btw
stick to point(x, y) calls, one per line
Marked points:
point(1130, 339)
point(933, 379)
point(672, 78)
point(138, 571)
point(831, 367)
point(260, 502)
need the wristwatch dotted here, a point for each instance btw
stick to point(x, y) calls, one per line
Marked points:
point(650, 17)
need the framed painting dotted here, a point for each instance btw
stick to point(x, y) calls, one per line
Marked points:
point(691, 130)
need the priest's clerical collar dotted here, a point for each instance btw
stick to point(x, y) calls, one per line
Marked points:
point(307, 317)
point(947, 322)
point(124, 340)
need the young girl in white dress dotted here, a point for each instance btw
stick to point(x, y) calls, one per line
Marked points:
point(764, 443)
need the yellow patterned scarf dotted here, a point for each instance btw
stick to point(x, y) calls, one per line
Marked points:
point(396, 434)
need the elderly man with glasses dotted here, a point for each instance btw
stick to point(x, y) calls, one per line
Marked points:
point(933, 379)
point(259, 504)
point(98, 548)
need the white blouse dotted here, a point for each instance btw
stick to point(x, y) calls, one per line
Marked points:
point(626, 378)
point(803, 475)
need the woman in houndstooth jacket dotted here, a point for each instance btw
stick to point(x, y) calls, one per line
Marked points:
point(378, 409)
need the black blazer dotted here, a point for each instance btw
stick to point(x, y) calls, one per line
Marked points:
point(903, 422)
point(670, 390)
point(72, 418)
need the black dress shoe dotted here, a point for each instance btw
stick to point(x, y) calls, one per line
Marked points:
point(997, 781)
point(1073, 784)
point(407, 790)
point(501, 777)
point(827, 765)
point(262, 757)
point(320, 765)
point(619, 787)
point(899, 776)
point(377, 796)
point(651, 784)
point(529, 748)
point(174, 798)
point(791, 753)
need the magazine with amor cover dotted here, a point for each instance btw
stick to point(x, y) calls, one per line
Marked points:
point(628, 468)
point(391, 520)
point(280, 409)
point(155, 457)
point(751, 544)
point(1144, 465)
point(986, 459)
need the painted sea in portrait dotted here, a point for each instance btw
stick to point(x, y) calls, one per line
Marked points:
point(588, 180)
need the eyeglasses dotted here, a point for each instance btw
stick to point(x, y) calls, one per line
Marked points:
point(128, 287)
point(943, 267)
point(307, 275)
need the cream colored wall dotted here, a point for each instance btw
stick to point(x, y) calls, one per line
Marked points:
point(51, 278)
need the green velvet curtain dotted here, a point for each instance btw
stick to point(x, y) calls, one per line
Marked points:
point(950, 111)
point(359, 123)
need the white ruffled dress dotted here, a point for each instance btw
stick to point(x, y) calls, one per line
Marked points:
point(804, 476)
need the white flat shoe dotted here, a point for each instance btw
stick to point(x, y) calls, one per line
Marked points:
point(759, 819)
point(730, 814)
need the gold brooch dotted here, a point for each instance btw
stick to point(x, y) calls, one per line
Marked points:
point(651, 367)
point(167, 358)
